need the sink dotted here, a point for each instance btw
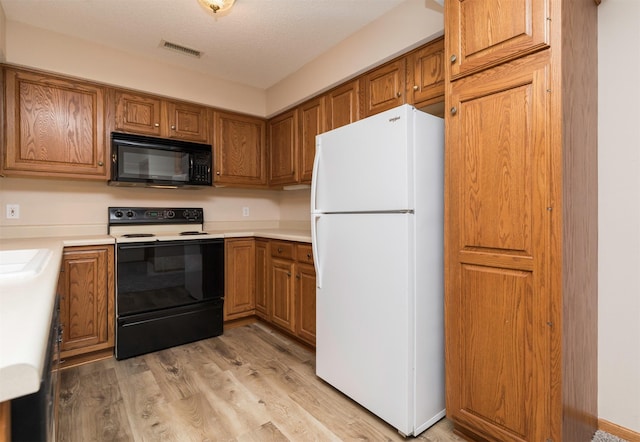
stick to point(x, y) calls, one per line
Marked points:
point(22, 263)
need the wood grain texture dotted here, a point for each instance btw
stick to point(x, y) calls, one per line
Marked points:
point(54, 126)
point(250, 384)
point(384, 87)
point(425, 74)
point(485, 33)
point(283, 148)
point(186, 121)
point(240, 270)
point(343, 105)
point(138, 113)
point(240, 150)
point(311, 118)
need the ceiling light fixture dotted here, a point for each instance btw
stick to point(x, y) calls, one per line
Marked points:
point(218, 7)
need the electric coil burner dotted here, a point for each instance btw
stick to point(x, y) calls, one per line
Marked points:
point(169, 278)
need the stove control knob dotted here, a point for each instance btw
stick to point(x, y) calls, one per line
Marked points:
point(130, 214)
point(170, 214)
point(118, 214)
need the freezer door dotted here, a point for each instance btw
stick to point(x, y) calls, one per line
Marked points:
point(364, 318)
point(366, 166)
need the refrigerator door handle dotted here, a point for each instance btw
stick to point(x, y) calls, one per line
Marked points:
point(314, 242)
point(314, 177)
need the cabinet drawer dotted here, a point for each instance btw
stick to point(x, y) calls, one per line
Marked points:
point(280, 249)
point(304, 253)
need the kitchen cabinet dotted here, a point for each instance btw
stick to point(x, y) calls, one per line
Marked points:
point(151, 115)
point(384, 87)
point(239, 150)
point(263, 304)
point(240, 270)
point(425, 74)
point(87, 314)
point(483, 33)
point(283, 149)
point(305, 295)
point(54, 127)
point(282, 285)
point(342, 105)
point(521, 230)
point(293, 289)
point(311, 122)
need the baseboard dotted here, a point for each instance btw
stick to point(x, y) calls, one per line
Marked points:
point(617, 430)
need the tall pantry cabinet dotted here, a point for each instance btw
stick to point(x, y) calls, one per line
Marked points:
point(521, 219)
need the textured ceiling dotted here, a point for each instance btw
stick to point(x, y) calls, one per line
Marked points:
point(258, 43)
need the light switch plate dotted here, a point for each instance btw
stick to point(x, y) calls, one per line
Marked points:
point(13, 211)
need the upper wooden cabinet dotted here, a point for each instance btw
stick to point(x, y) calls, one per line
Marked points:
point(342, 105)
point(484, 33)
point(151, 115)
point(311, 122)
point(283, 149)
point(425, 74)
point(55, 127)
point(239, 150)
point(384, 87)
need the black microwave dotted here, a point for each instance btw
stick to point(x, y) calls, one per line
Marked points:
point(159, 162)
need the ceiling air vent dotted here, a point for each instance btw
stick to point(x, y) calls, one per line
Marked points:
point(182, 49)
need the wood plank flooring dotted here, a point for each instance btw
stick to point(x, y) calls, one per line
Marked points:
point(249, 385)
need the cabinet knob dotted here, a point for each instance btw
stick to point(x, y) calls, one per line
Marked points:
point(218, 172)
point(173, 128)
point(298, 276)
point(288, 273)
point(398, 95)
point(454, 110)
point(157, 125)
point(453, 58)
point(279, 249)
point(100, 163)
point(415, 88)
point(308, 255)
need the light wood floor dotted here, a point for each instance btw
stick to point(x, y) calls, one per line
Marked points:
point(251, 384)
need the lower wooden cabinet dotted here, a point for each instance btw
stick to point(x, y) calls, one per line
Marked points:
point(239, 264)
point(86, 289)
point(273, 280)
point(263, 307)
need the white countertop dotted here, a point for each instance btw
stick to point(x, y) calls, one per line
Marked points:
point(26, 305)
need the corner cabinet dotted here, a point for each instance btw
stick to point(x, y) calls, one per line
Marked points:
point(240, 156)
point(521, 224)
point(87, 314)
point(283, 149)
point(54, 127)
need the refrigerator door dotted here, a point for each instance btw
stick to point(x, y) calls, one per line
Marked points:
point(366, 166)
point(364, 320)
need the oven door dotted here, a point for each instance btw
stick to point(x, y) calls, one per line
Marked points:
point(168, 293)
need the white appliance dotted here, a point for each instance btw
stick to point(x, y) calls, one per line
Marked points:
point(377, 231)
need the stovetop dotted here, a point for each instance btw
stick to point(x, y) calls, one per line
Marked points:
point(136, 224)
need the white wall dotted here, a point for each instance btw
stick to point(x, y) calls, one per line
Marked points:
point(408, 26)
point(619, 212)
point(3, 35)
point(50, 51)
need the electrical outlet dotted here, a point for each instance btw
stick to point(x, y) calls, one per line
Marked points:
point(13, 211)
point(245, 211)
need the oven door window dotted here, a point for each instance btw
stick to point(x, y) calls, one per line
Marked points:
point(158, 275)
point(141, 163)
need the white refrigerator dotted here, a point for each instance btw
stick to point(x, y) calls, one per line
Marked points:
point(377, 232)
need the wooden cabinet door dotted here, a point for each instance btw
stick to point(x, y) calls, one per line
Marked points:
point(425, 74)
point(262, 279)
point(138, 113)
point(342, 105)
point(187, 121)
point(86, 287)
point(311, 122)
point(483, 33)
point(283, 149)
point(384, 87)
point(239, 150)
point(239, 279)
point(53, 127)
point(306, 303)
point(282, 293)
point(497, 235)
